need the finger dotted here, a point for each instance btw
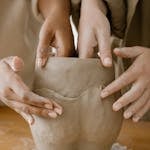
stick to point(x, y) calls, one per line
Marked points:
point(39, 101)
point(126, 78)
point(86, 43)
point(133, 94)
point(18, 86)
point(45, 102)
point(31, 99)
point(14, 81)
point(65, 46)
point(15, 63)
point(28, 117)
point(37, 111)
point(128, 52)
point(104, 48)
point(137, 105)
point(45, 38)
point(23, 94)
point(28, 109)
point(57, 108)
point(141, 112)
point(28, 97)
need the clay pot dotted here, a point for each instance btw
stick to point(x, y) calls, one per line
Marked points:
point(87, 122)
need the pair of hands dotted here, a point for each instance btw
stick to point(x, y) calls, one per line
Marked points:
point(16, 95)
point(94, 30)
point(56, 31)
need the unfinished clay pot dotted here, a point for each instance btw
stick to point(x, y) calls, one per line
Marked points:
point(87, 123)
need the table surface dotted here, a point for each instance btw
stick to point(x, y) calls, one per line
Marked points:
point(15, 133)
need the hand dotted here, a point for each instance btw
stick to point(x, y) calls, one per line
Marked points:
point(138, 74)
point(94, 30)
point(55, 31)
point(15, 94)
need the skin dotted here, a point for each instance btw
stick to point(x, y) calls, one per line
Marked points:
point(137, 99)
point(97, 33)
point(56, 30)
point(15, 94)
point(94, 33)
point(13, 91)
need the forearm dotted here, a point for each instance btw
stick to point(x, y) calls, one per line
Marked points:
point(51, 6)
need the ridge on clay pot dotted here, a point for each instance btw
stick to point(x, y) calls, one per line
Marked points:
point(87, 122)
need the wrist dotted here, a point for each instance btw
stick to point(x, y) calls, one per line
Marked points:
point(88, 4)
point(49, 7)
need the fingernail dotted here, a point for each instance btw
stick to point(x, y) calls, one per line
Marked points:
point(48, 106)
point(52, 114)
point(57, 110)
point(127, 115)
point(104, 94)
point(136, 119)
point(98, 54)
point(107, 61)
point(116, 106)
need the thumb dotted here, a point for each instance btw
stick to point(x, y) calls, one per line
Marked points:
point(128, 52)
point(43, 51)
point(15, 62)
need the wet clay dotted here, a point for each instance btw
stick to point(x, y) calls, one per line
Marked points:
point(87, 122)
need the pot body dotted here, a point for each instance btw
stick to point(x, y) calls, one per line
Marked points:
point(87, 122)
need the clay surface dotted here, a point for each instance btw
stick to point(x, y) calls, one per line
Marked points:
point(87, 123)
